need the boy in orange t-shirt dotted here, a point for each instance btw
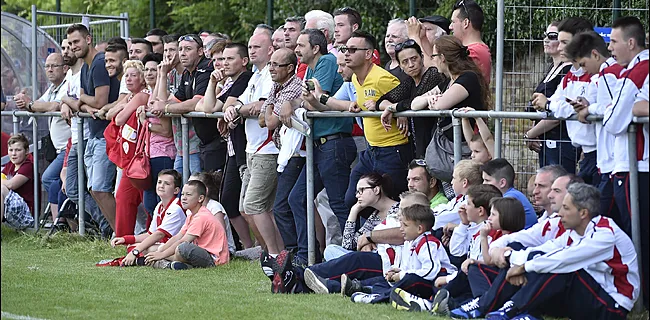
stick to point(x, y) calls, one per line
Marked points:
point(201, 242)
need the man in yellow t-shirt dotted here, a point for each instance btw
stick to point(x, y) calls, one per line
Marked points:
point(389, 151)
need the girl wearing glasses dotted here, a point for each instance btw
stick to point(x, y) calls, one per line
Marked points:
point(373, 191)
point(549, 138)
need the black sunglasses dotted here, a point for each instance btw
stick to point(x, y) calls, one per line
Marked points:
point(191, 37)
point(551, 35)
point(344, 49)
point(404, 45)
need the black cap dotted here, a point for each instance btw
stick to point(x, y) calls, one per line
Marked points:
point(440, 21)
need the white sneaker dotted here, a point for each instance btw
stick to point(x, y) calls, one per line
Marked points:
point(360, 297)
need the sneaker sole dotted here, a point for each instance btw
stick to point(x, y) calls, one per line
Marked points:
point(344, 282)
point(440, 306)
point(281, 263)
point(311, 280)
point(398, 303)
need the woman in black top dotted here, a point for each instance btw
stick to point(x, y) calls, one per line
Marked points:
point(549, 138)
point(409, 56)
point(467, 87)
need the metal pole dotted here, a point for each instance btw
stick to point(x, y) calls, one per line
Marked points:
point(311, 230)
point(152, 14)
point(498, 125)
point(127, 32)
point(122, 26)
point(634, 203)
point(458, 142)
point(616, 12)
point(36, 177)
point(269, 12)
point(411, 8)
point(15, 121)
point(59, 35)
point(34, 52)
point(81, 176)
point(185, 136)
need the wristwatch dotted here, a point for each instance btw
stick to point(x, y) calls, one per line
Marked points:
point(29, 105)
point(369, 237)
point(323, 98)
point(507, 255)
point(237, 107)
point(136, 252)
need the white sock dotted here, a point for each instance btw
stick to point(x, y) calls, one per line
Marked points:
point(273, 255)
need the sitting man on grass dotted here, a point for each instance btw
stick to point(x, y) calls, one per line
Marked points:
point(167, 222)
point(202, 240)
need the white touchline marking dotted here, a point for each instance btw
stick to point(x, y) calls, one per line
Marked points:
point(18, 317)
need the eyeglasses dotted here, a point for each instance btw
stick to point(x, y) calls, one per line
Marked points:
point(48, 66)
point(276, 65)
point(344, 49)
point(551, 35)
point(191, 37)
point(404, 45)
point(362, 189)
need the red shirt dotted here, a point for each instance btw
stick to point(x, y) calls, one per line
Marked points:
point(5, 147)
point(26, 169)
point(480, 53)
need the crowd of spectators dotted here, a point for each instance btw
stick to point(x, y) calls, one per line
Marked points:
point(397, 220)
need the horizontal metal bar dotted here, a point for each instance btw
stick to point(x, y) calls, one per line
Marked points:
point(65, 25)
point(372, 114)
point(640, 119)
point(60, 14)
point(577, 8)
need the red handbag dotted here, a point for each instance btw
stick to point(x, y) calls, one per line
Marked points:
point(139, 169)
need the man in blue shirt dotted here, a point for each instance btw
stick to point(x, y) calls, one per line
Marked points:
point(334, 148)
point(501, 174)
point(99, 89)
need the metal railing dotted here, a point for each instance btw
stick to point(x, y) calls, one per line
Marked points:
point(457, 133)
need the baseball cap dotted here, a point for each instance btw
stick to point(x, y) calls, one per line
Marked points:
point(440, 21)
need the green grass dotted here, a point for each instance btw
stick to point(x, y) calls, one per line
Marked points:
point(56, 278)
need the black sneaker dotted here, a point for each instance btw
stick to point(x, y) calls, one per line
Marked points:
point(284, 278)
point(315, 282)
point(177, 265)
point(349, 286)
point(266, 261)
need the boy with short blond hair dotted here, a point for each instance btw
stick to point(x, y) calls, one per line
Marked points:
point(423, 257)
point(202, 240)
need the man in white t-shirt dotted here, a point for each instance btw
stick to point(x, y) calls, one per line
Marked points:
point(55, 70)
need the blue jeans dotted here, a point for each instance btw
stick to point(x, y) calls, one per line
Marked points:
point(564, 154)
point(393, 161)
point(101, 171)
point(281, 209)
point(334, 251)
point(588, 170)
point(53, 171)
point(150, 198)
point(195, 163)
point(72, 191)
point(331, 170)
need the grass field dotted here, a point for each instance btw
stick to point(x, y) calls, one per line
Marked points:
point(57, 279)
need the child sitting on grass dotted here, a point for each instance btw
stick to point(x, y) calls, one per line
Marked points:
point(168, 220)
point(423, 257)
point(481, 144)
point(202, 240)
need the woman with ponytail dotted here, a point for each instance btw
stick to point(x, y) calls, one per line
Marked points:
point(467, 87)
point(373, 191)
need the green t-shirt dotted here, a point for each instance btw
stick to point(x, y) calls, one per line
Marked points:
point(438, 199)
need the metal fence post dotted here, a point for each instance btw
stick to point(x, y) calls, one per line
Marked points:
point(185, 136)
point(81, 176)
point(15, 120)
point(311, 231)
point(34, 56)
point(458, 138)
point(498, 125)
point(36, 176)
point(634, 203)
point(127, 32)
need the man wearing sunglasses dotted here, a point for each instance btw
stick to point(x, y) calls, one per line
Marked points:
point(389, 151)
point(466, 25)
point(193, 85)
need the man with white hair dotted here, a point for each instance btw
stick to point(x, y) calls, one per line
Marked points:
point(323, 21)
point(396, 33)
